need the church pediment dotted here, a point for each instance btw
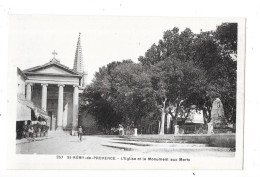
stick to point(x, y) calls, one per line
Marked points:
point(51, 68)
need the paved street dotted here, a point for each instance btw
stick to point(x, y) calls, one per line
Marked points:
point(62, 143)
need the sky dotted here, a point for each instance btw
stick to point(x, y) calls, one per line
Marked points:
point(32, 38)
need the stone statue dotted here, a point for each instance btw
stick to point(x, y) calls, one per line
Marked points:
point(217, 114)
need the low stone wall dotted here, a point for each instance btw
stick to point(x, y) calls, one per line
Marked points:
point(215, 140)
point(223, 140)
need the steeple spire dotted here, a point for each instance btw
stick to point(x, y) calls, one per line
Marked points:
point(78, 61)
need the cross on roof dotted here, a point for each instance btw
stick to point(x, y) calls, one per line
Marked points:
point(54, 60)
point(54, 53)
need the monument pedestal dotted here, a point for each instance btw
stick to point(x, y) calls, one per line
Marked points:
point(219, 122)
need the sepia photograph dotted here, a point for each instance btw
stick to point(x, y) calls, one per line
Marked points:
point(118, 89)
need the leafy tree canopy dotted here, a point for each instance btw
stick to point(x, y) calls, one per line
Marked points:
point(183, 69)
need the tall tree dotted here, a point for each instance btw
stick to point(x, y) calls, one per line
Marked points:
point(100, 108)
point(176, 83)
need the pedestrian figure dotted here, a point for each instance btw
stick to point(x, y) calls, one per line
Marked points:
point(31, 133)
point(80, 132)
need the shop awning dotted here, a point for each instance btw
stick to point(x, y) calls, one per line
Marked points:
point(42, 114)
point(23, 112)
point(26, 102)
point(24, 109)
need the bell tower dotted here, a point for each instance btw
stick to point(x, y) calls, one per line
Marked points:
point(79, 63)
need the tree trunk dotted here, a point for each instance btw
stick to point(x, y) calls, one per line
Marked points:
point(174, 122)
point(162, 122)
point(174, 118)
point(208, 109)
point(168, 122)
point(163, 109)
point(159, 127)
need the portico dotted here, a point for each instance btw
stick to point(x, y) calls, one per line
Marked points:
point(56, 93)
point(55, 88)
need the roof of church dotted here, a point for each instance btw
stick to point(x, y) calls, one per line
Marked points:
point(20, 72)
point(53, 62)
point(78, 67)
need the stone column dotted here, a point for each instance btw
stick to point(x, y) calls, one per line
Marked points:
point(29, 91)
point(53, 123)
point(44, 96)
point(65, 114)
point(60, 107)
point(75, 110)
point(135, 132)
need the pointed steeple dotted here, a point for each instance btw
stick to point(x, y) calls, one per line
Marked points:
point(79, 64)
point(78, 61)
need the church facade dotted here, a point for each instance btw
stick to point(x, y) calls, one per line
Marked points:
point(55, 88)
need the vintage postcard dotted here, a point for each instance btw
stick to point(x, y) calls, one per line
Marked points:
point(117, 92)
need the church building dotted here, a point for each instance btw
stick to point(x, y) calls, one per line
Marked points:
point(55, 88)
